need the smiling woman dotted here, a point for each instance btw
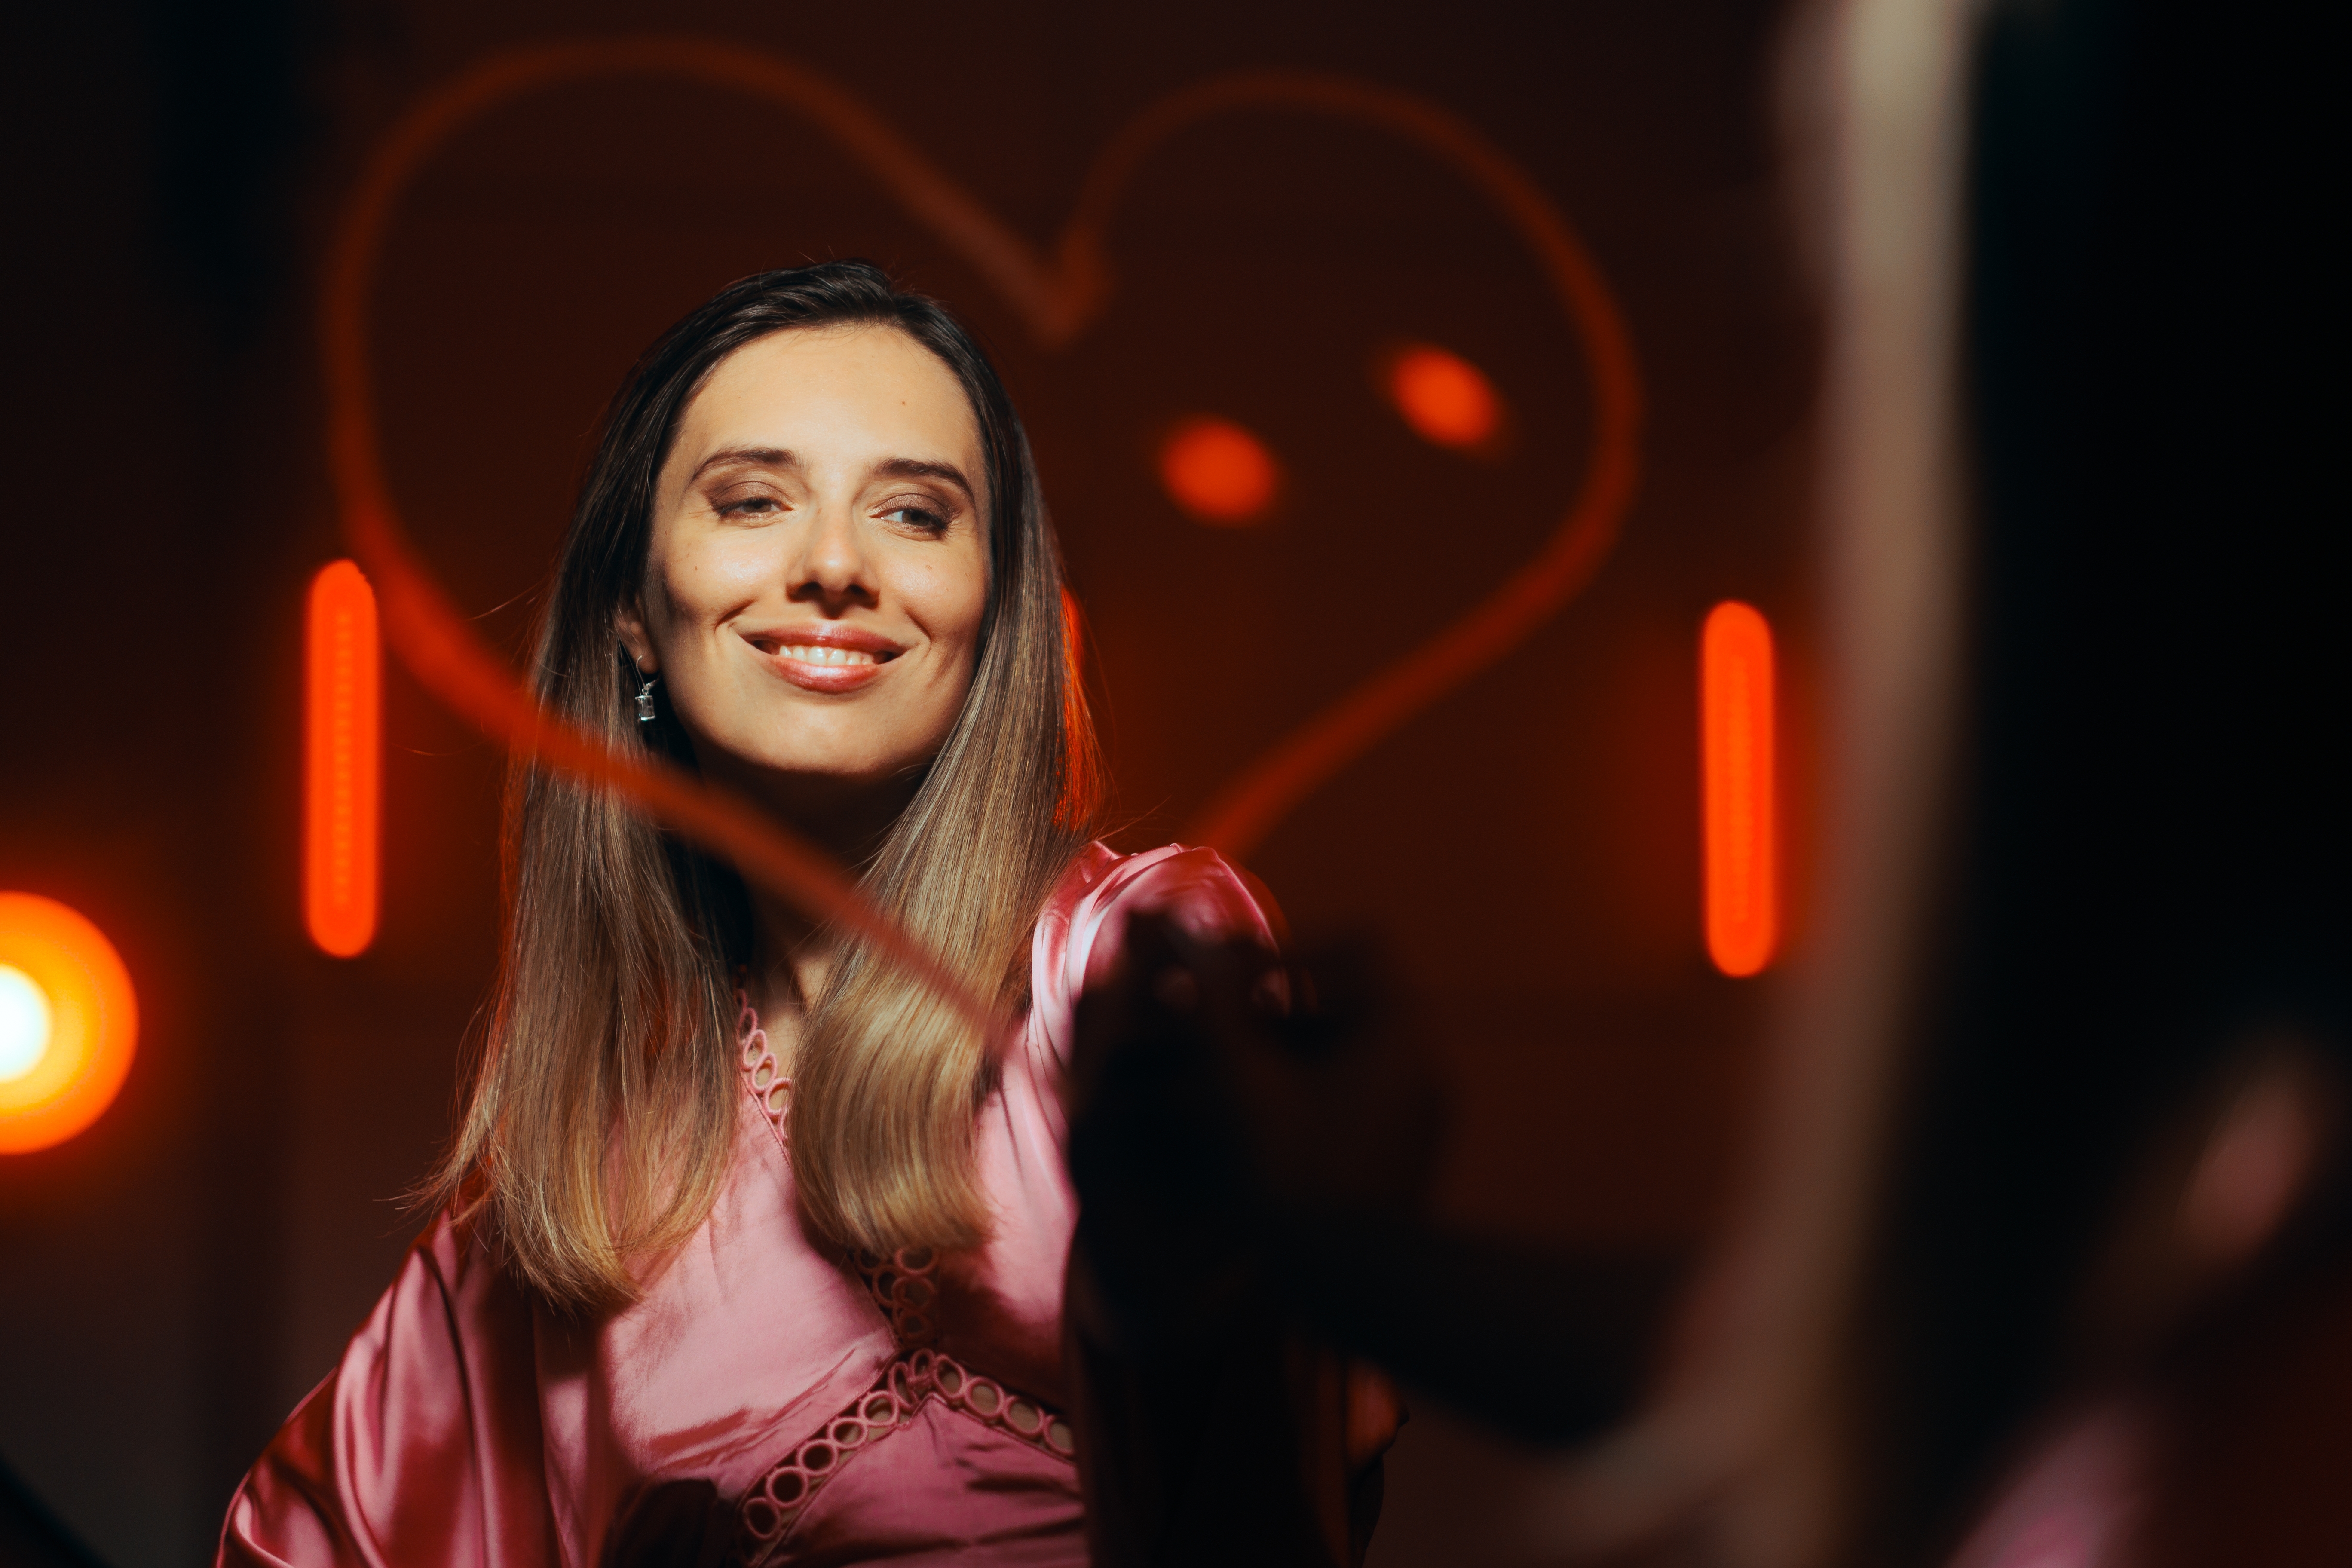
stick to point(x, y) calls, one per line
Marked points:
point(735, 1203)
point(883, 547)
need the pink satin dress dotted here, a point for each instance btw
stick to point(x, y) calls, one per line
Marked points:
point(903, 1408)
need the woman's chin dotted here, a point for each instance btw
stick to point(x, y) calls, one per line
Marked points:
point(807, 778)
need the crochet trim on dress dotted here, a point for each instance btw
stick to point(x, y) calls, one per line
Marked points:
point(778, 1500)
point(763, 1076)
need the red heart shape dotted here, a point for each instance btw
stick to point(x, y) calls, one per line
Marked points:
point(1058, 300)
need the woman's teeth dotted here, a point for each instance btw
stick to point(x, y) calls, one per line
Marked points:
point(806, 655)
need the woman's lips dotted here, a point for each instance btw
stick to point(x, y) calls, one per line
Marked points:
point(828, 661)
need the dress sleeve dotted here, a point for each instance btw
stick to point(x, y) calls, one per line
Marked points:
point(422, 1446)
point(1083, 929)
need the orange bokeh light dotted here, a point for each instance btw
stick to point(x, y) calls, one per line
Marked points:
point(75, 1069)
point(341, 763)
point(1218, 471)
point(1736, 749)
point(1447, 400)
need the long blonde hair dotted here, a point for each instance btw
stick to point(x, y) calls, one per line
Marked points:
point(603, 1107)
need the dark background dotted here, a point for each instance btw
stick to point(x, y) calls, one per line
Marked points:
point(172, 1280)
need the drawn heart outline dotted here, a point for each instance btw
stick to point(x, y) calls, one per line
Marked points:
point(1057, 301)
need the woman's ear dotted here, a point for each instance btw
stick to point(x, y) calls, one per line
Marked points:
point(629, 620)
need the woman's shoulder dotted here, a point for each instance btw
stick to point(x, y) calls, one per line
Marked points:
point(1083, 923)
point(1198, 886)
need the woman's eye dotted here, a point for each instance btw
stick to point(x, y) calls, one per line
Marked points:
point(912, 515)
point(749, 506)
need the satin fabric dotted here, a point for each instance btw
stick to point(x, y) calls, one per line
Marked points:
point(469, 1427)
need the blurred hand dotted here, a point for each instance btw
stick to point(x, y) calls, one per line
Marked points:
point(1222, 1097)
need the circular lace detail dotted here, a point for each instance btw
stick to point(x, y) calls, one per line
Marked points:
point(763, 1075)
point(902, 1285)
point(778, 1498)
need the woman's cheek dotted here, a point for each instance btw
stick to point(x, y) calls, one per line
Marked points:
point(711, 580)
point(947, 604)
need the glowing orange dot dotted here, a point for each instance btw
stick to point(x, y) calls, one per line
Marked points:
point(1218, 471)
point(341, 763)
point(1447, 400)
point(1736, 759)
point(68, 1023)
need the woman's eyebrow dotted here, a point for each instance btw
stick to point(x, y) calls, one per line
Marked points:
point(762, 456)
point(919, 468)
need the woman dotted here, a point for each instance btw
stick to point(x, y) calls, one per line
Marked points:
point(736, 1212)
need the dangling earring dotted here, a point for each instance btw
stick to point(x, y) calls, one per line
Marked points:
point(646, 701)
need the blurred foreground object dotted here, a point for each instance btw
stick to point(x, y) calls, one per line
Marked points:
point(2084, 838)
point(1250, 1139)
point(2112, 1171)
point(2207, 1369)
point(1747, 1453)
point(68, 1023)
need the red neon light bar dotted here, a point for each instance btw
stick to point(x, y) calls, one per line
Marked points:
point(1743, 894)
point(341, 763)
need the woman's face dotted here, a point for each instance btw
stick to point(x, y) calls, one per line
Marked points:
point(819, 564)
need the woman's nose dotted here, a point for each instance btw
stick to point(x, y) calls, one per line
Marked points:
point(831, 569)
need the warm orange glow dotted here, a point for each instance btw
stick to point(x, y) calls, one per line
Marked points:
point(1074, 639)
point(1218, 471)
point(68, 1023)
point(1447, 400)
point(1080, 789)
point(1735, 746)
point(339, 851)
